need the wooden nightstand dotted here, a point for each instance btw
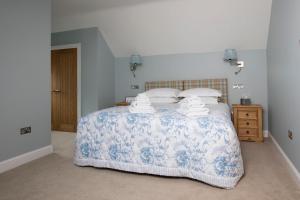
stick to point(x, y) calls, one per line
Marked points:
point(123, 103)
point(248, 122)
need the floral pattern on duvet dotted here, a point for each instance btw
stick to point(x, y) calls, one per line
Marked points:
point(206, 145)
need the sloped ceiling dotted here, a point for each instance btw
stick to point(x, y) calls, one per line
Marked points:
point(158, 27)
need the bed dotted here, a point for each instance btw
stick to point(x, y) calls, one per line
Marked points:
point(165, 143)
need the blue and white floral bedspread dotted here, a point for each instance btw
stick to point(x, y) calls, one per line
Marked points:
point(165, 143)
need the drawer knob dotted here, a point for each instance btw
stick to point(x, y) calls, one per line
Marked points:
point(247, 132)
point(247, 114)
point(248, 123)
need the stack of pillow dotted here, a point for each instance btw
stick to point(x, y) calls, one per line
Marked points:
point(207, 95)
point(193, 103)
point(171, 95)
point(163, 95)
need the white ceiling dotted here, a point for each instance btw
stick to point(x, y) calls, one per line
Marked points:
point(158, 27)
point(71, 7)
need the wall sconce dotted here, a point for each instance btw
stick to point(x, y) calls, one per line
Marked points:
point(135, 61)
point(230, 55)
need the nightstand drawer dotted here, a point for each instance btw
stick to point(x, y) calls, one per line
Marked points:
point(247, 132)
point(247, 123)
point(247, 114)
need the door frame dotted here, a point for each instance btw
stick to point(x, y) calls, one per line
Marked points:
point(78, 47)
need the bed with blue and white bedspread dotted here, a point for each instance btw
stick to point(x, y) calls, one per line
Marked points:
point(165, 143)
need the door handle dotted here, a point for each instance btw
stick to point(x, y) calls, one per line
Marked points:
point(56, 91)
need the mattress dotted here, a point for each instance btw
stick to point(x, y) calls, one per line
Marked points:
point(165, 143)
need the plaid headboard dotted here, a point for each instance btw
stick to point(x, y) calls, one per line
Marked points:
point(218, 84)
point(164, 84)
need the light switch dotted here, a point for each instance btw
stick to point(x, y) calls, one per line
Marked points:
point(135, 87)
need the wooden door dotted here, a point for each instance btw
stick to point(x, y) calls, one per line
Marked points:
point(64, 90)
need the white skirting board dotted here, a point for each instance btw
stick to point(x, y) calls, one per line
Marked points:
point(25, 158)
point(266, 133)
point(289, 162)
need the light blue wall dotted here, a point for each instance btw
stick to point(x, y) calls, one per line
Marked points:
point(97, 67)
point(24, 75)
point(105, 75)
point(198, 66)
point(283, 55)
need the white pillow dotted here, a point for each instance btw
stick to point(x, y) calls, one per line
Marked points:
point(200, 92)
point(204, 100)
point(209, 100)
point(163, 92)
point(163, 100)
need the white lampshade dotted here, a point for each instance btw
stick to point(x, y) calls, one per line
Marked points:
point(136, 59)
point(230, 55)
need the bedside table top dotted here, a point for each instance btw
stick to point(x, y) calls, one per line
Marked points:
point(246, 106)
point(123, 103)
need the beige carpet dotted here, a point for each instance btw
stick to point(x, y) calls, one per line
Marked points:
point(55, 177)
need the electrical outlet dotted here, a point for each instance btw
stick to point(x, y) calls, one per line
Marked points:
point(135, 87)
point(25, 130)
point(238, 86)
point(290, 134)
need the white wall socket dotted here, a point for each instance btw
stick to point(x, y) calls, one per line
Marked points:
point(238, 86)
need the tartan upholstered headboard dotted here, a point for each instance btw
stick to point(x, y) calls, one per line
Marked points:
point(218, 84)
point(164, 84)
